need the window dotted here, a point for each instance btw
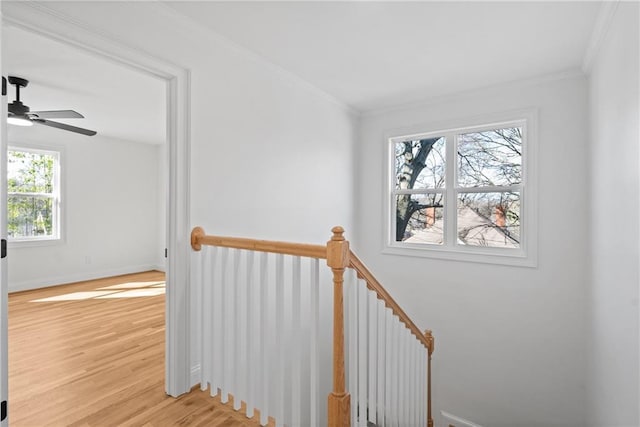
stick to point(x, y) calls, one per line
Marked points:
point(33, 194)
point(461, 193)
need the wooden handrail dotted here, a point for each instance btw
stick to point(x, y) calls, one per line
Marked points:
point(199, 238)
point(374, 285)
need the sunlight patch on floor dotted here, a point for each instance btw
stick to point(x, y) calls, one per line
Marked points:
point(134, 293)
point(134, 285)
point(122, 290)
point(74, 296)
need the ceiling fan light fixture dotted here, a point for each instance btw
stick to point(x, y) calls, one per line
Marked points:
point(19, 121)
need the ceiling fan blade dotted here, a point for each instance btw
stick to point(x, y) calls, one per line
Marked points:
point(64, 127)
point(58, 114)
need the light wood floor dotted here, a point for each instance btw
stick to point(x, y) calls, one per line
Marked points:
point(92, 354)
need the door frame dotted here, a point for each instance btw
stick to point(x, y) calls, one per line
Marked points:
point(4, 285)
point(39, 19)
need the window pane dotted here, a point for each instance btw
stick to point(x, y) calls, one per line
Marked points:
point(419, 218)
point(489, 219)
point(29, 216)
point(29, 172)
point(490, 158)
point(420, 163)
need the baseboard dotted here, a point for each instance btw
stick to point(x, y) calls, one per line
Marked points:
point(195, 375)
point(453, 420)
point(78, 277)
point(159, 267)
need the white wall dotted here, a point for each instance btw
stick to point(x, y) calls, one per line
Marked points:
point(612, 340)
point(509, 340)
point(110, 211)
point(272, 156)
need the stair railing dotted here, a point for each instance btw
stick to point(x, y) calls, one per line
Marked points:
point(249, 352)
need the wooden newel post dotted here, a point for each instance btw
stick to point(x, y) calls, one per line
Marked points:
point(339, 399)
point(431, 343)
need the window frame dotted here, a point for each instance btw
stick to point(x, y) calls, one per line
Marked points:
point(56, 196)
point(526, 254)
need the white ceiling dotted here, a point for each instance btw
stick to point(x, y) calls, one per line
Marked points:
point(368, 55)
point(117, 101)
point(376, 54)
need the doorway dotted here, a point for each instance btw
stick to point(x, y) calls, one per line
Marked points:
point(26, 17)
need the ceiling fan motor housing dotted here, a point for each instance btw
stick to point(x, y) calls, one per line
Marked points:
point(18, 108)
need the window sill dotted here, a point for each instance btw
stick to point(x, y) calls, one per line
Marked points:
point(515, 258)
point(32, 243)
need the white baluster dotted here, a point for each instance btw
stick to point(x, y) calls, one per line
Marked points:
point(296, 354)
point(362, 353)
point(381, 366)
point(416, 383)
point(215, 339)
point(398, 402)
point(279, 332)
point(241, 340)
point(405, 375)
point(224, 326)
point(413, 373)
point(373, 355)
point(353, 350)
point(304, 334)
point(349, 279)
point(251, 338)
point(419, 381)
point(236, 331)
point(388, 372)
point(423, 383)
point(206, 287)
point(412, 380)
point(264, 341)
point(315, 338)
point(396, 368)
point(423, 387)
point(422, 402)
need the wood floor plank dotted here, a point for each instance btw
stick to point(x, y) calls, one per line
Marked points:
point(92, 354)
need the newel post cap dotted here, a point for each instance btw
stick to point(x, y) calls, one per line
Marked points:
point(196, 234)
point(338, 249)
point(337, 233)
point(429, 336)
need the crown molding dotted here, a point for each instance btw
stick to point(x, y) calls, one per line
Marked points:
point(188, 24)
point(575, 73)
point(600, 29)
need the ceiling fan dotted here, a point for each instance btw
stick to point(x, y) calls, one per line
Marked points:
point(21, 115)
